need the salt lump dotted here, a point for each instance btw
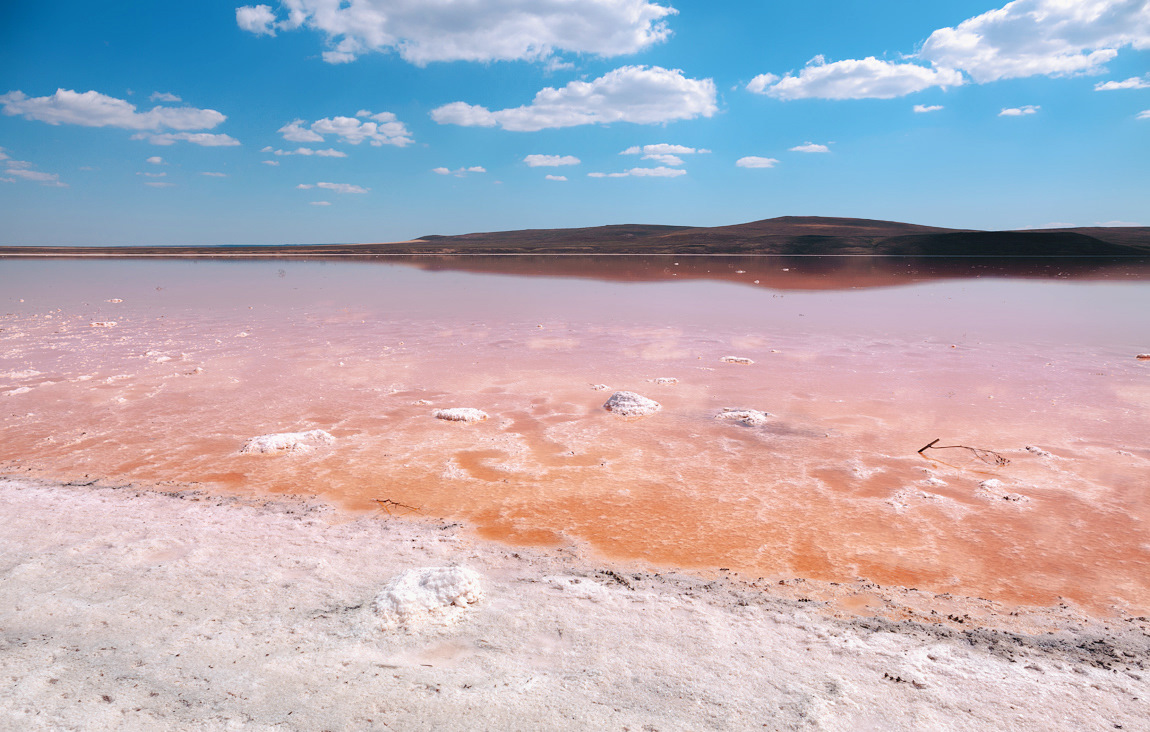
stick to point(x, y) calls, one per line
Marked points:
point(993, 489)
point(737, 359)
point(432, 593)
point(752, 417)
point(461, 414)
point(287, 442)
point(630, 404)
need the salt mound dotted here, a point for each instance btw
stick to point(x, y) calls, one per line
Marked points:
point(665, 380)
point(461, 414)
point(431, 593)
point(753, 417)
point(993, 488)
point(287, 442)
point(736, 359)
point(600, 387)
point(630, 404)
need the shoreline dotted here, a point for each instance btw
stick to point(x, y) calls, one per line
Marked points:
point(138, 608)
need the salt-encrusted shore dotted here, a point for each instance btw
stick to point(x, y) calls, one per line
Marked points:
point(137, 610)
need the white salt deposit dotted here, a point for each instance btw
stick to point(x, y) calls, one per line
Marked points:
point(288, 442)
point(19, 390)
point(600, 387)
point(665, 380)
point(102, 324)
point(737, 359)
point(461, 414)
point(26, 374)
point(752, 417)
point(437, 594)
point(995, 489)
point(1038, 451)
point(630, 404)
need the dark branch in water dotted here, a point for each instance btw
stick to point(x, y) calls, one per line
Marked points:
point(987, 456)
point(387, 504)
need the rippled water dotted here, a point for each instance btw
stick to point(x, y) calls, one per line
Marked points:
point(859, 361)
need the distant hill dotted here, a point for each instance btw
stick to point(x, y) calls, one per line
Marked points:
point(785, 235)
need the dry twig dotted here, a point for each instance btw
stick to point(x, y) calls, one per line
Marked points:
point(987, 456)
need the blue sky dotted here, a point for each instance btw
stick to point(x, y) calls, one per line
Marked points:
point(160, 123)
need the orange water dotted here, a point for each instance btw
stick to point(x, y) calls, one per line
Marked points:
point(859, 373)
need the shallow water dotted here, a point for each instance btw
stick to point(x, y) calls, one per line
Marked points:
point(861, 362)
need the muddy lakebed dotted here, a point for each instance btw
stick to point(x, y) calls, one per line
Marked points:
point(157, 373)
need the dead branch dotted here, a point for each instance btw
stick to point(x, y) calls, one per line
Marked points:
point(387, 504)
point(987, 456)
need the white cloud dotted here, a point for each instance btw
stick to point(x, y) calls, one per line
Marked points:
point(158, 184)
point(924, 108)
point(659, 172)
point(638, 94)
point(164, 97)
point(380, 129)
point(1020, 111)
point(465, 30)
point(153, 175)
point(21, 171)
point(307, 152)
point(1133, 82)
point(1117, 223)
point(258, 19)
point(1144, 114)
point(555, 177)
point(1040, 37)
point(868, 78)
point(663, 153)
point(215, 175)
point(550, 161)
point(810, 147)
point(752, 161)
point(270, 162)
point(305, 186)
point(320, 203)
point(155, 160)
point(664, 159)
point(459, 172)
point(92, 109)
point(204, 139)
point(3, 155)
point(342, 187)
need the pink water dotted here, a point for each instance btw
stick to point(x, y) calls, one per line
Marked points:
point(859, 366)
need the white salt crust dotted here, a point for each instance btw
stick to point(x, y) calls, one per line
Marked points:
point(288, 442)
point(995, 489)
point(737, 359)
point(752, 417)
point(431, 594)
point(461, 414)
point(630, 404)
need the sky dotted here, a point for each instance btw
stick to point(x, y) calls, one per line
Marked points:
point(332, 121)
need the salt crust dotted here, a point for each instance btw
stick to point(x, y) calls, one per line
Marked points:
point(630, 404)
point(428, 595)
point(288, 442)
point(600, 387)
point(461, 414)
point(737, 359)
point(752, 417)
point(665, 380)
point(994, 488)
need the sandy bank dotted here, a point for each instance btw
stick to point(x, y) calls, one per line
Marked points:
point(137, 610)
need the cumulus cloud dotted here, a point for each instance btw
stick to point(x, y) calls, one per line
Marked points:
point(555, 177)
point(1020, 111)
point(164, 97)
point(337, 187)
point(659, 172)
point(638, 94)
point(1144, 114)
point(378, 129)
point(258, 19)
point(155, 160)
point(48, 179)
point(810, 147)
point(270, 162)
point(1040, 37)
point(1133, 82)
point(868, 78)
point(924, 108)
point(93, 109)
point(1023, 38)
point(752, 161)
point(459, 172)
point(215, 175)
point(465, 30)
point(204, 139)
point(663, 153)
point(550, 161)
point(320, 203)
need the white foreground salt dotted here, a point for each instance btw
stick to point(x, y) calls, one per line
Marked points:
point(123, 609)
